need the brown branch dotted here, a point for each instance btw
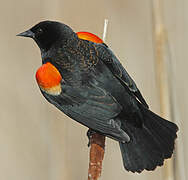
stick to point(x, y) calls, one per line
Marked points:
point(96, 156)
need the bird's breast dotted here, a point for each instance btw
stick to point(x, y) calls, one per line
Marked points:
point(49, 79)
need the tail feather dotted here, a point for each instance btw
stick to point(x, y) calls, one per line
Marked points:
point(150, 144)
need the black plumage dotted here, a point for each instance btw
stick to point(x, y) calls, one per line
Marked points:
point(99, 93)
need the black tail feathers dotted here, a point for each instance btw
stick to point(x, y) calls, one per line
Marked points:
point(150, 144)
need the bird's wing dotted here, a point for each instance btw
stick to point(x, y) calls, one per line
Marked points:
point(92, 107)
point(107, 56)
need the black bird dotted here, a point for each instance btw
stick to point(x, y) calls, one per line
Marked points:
point(87, 82)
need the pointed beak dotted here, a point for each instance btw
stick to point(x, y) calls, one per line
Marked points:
point(28, 33)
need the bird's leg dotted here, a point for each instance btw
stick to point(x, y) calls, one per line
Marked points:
point(90, 132)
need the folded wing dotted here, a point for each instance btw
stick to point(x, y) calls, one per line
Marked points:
point(111, 61)
point(92, 107)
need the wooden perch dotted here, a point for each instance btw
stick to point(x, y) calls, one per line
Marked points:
point(96, 156)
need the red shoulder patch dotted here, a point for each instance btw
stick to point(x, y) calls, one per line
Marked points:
point(49, 78)
point(89, 36)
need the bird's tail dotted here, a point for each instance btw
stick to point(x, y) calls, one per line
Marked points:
point(149, 144)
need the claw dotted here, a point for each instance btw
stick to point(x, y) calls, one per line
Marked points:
point(90, 132)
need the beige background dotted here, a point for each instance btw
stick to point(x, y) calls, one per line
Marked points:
point(39, 142)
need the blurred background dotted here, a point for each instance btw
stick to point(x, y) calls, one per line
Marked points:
point(39, 142)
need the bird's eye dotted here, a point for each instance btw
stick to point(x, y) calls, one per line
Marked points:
point(39, 31)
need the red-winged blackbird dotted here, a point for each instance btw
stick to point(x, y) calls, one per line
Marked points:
point(87, 82)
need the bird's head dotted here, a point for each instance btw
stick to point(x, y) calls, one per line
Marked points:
point(47, 33)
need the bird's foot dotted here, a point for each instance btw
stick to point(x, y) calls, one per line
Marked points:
point(90, 132)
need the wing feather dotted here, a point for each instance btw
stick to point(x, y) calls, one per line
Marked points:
point(92, 107)
point(111, 61)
